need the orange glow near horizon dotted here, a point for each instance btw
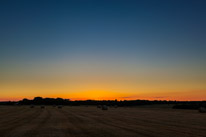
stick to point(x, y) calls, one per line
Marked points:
point(102, 82)
point(94, 95)
point(108, 95)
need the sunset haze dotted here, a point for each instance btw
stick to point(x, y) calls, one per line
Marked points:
point(103, 49)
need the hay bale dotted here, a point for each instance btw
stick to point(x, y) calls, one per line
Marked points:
point(104, 107)
point(42, 107)
point(202, 110)
point(59, 107)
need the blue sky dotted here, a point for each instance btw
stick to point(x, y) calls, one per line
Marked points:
point(149, 34)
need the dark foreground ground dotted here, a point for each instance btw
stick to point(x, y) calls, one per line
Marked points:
point(22, 121)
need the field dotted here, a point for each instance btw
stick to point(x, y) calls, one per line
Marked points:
point(82, 121)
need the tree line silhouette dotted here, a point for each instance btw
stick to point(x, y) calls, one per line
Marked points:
point(120, 103)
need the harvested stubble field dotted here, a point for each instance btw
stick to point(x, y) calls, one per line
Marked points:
point(81, 121)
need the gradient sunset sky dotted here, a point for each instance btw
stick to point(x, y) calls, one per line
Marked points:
point(103, 49)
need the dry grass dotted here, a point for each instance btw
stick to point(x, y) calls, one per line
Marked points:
point(93, 122)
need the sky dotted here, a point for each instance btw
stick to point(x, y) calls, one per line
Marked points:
point(103, 49)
